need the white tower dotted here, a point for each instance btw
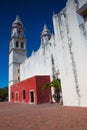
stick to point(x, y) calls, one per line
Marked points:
point(17, 51)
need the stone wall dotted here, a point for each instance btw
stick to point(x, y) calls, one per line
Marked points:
point(71, 41)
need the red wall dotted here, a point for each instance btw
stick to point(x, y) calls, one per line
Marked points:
point(33, 84)
point(42, 96)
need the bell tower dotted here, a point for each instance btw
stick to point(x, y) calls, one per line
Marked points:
point(17, 51)
point(45, 36)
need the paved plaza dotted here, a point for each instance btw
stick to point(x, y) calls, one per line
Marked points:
point(16, 116)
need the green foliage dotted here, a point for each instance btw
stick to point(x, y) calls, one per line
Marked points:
point(4, 93)
point(56, 84)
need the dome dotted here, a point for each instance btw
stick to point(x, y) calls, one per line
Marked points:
point(17, 22)
point(45, 31)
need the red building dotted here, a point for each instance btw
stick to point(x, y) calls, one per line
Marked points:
point(30, 90)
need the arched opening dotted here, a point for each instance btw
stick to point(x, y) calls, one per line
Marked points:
point(22, 45)
point(19, 31)
point(17, 44)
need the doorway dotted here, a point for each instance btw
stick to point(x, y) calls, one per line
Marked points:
point(32, 96)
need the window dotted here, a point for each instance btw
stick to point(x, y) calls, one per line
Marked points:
point(22, 45)
point(18, 71)
point(24, 96)
point(17, 44)
point(12, 95)
point(17, 96)
point(18, 78)
point(19, 31)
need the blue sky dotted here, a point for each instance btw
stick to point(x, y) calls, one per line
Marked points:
point(34, 14)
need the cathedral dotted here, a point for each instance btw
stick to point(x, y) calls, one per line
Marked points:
point(60, 55)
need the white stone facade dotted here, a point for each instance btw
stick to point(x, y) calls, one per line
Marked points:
point(72, 47)
point(65, 51)
point(17, 52)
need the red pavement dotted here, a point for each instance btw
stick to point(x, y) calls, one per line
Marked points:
point(42, 117)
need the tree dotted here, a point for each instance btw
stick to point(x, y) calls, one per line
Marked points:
point(4, 94)
point(56, 84)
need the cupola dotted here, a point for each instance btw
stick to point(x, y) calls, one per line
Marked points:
point(45, 36)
